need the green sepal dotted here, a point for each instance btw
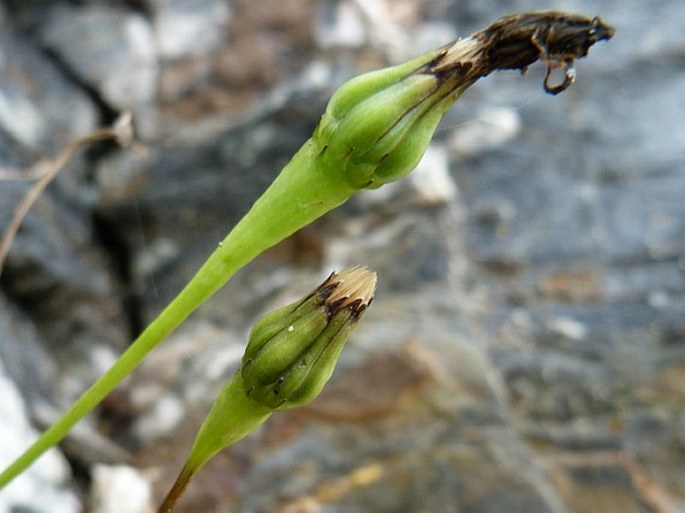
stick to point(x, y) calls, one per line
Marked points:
point(266, 366)
point(305, 378)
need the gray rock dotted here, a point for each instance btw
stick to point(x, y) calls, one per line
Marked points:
point(120, 489)
point(39, 107)
point(111, 50)
point(53, 265)
point(26, 360)
point(43, 488)
point(341, 24)
point(189, 29)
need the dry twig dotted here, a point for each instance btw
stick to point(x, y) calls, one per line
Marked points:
point(45, 171)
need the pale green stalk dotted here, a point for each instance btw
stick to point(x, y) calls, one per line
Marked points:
point(232, 416)
point(301, 193)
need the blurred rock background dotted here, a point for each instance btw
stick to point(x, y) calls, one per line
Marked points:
point(526, 349)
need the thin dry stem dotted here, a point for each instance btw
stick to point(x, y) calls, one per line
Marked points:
point(46, 171)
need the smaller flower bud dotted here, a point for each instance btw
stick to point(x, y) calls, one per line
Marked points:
point(292, 351)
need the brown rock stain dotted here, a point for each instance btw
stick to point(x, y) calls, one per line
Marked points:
point(374, 390)
point(572, 285)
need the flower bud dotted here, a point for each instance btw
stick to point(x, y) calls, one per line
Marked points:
point(292, 351)
point(364, 126)
point(377, 126)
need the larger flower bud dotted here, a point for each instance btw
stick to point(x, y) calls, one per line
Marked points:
point(377, 126)
point(292, 351)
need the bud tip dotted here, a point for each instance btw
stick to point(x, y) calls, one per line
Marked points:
point(352, 288)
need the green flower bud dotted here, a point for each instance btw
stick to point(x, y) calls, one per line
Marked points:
point(400, 117)
point(377, 126)
point(292, 352)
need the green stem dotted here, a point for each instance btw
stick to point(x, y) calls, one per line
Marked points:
point(301, 193)
point(232, 416)
point(176, 491)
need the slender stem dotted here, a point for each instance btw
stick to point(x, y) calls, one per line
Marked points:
point(232, 416)
point(300, 194)
point(176, 490)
